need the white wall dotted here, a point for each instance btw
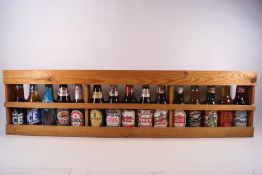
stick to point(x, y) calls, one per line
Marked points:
point(133, 34)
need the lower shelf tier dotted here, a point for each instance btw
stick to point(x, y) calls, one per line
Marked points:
point(121, 132)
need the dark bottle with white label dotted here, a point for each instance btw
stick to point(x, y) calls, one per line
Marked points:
point(194, 117)
point(113, 116)
point(49, 115)
point(160, 116)
point(18, 114)
point(210, 119)
point(240, 119)
point(145, 116)
point(77, 115)
point(34, 116)
point(179, 116)
point(96, 115)
point(63, 115)
point(129, 115)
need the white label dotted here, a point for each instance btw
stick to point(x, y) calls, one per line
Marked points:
point(17, 118)
point(113, 117)
point(145, 118)
point(63, 92)
point(179, 119)
point(77, 118)
point(160, 118)
point(128, 118)
point(240, 119)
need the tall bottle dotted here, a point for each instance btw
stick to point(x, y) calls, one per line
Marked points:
point(49, 115)
point(240, 119)
point(63, 115)
point(160, 116)
point(113, 116)
point(210, 119)
point(194, 117)
point(225, 118)
point(96, 116)
point(129, 115)
point(179, 116)
point(145, 116)
point(78, 115)
point(18, 114)
point(34, 116)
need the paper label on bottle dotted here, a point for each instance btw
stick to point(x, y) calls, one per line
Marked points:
point(160, 118)
point(179, 90)
point(77, 118)
point(145, 93)
point(97, 95)
point(211, 118)
point(63, 92)
point(128, 118)
point(145, 118)
point(96, 117)
point(194, 119)
point(240, 119)
point(225, 118)
point(17, 118)
point(179, 118)
point(33, 116)
point(63, 117)
point(113, 117)
point(78, 93)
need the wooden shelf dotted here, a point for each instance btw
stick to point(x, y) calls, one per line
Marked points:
point(129, 106)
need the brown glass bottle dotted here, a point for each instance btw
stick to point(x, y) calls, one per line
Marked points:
point(129, 115)
point(97, 118)
point(194, 117)
point(18, 114)
point(179, 116)
point(113, 116)
point(145, 116)
point(240, 118)
point(225, 118)
point(129, 95)
point(63, 115)
point(160, 116)
point(77, 115)
point(210, 119)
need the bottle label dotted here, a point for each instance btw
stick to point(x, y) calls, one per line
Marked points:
point(17, 118)
point(225, 118)
point(78, 93)
point(77, 118)
point(160, 118)
point(212, 90)
point(97, 95)
point(113, 117)
point(211, 118)
point(145, 93)
point(240, 119)
point(194, 119)
point(96, 117)
point(128, 118)
point(33, 116)
point(63, 117)
point(145, 118)
point(179, 119)
point(63, 92)
point(179, 90)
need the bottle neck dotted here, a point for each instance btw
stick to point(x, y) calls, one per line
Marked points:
point(129, 90)
point(48, 97)
point(78, 93)
point(179, 96)
point(19, 93)
point(97, 96)
point(195, 94)
point(113, 94)
point(145, 95)
point(161, 95)
point(211, 95)
point(63, 94)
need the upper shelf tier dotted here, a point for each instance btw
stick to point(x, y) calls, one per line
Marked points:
point(129, 77)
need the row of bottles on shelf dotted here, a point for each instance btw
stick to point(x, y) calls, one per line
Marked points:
point(141, 118)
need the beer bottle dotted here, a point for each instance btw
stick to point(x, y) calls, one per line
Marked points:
point(77, 115)
point(145, 116)
point(129, 115)
point(33, 116)
point(240, 119)
point(210, 119)
point(113, 116)
point(160, 116)
point(194, 117)
point(179, 116)
point(49, 115)
point(63, 115)
point(18, 113)
point(225, 118)
point(96, 116)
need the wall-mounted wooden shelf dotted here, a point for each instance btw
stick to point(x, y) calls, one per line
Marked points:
point(169, 78)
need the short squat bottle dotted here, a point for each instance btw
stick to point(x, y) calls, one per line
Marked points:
point(63, 115)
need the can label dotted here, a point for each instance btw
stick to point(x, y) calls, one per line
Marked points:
point(63, 117)
point(194, 119)
point(211, 118)
point(113, 117)
point(160, 118)
point(63, 92)
point(128, 118)
point(145, 118)
point(225, 118)
point(17, 118)
point(77, 118)
point(240, 119)
point(179, 118)
point(96, 117)
point(33, 116)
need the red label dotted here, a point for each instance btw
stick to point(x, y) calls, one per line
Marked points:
point(225, 118)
